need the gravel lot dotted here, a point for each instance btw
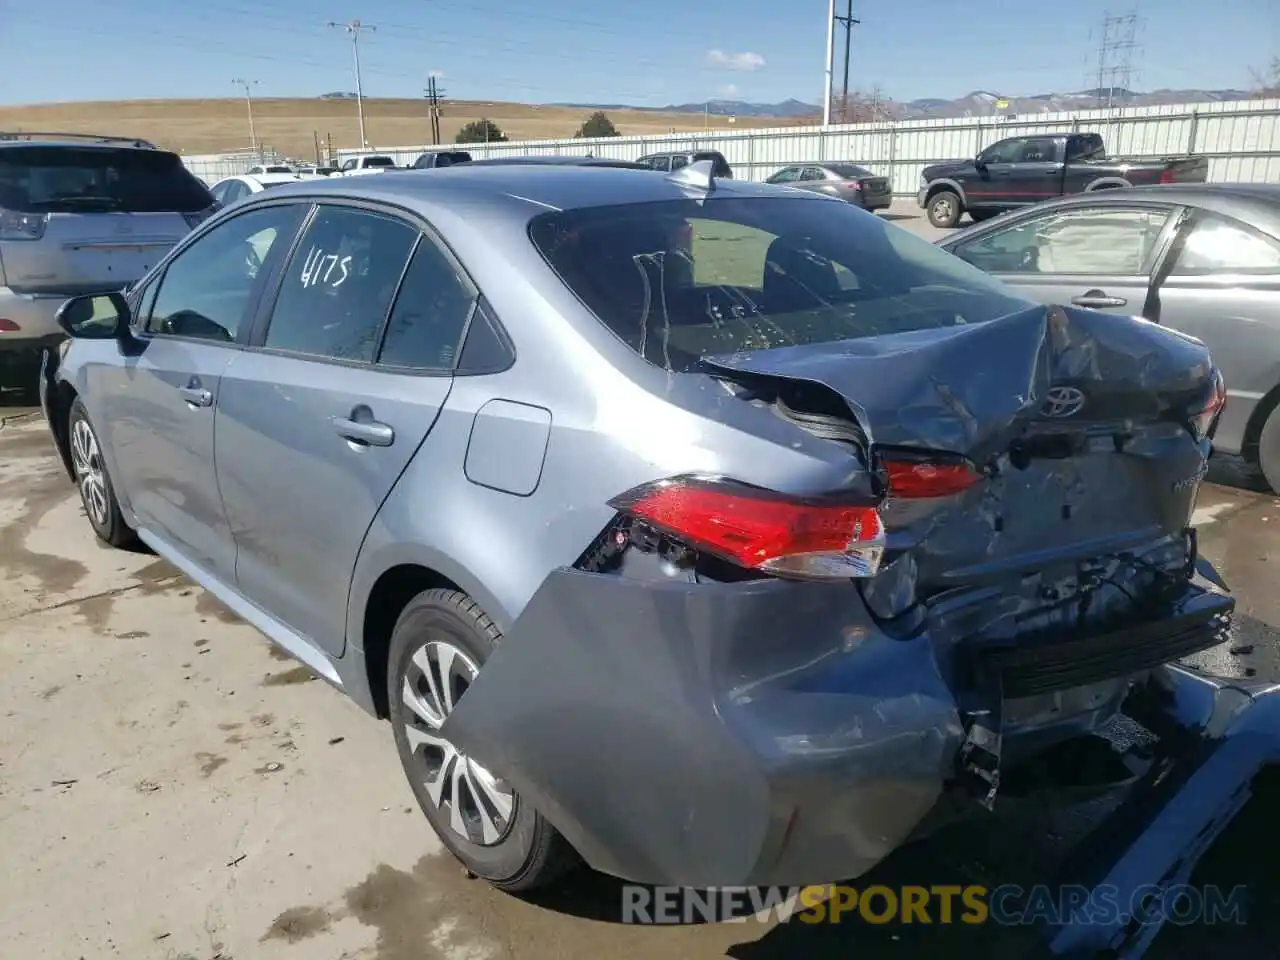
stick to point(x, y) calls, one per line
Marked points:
point(171, 788)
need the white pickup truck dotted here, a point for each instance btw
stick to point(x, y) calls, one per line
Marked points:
point(365, 163)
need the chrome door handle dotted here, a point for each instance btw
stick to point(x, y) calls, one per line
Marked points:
point(369, 432)
point(1096, 300)
point(196, 396)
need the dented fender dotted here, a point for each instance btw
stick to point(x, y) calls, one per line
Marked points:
point(709, 734)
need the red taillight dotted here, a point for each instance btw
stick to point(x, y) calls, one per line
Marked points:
point(1166, 176)
point(8, 326)
point(920, 479)
point(1202, 422)
point(812, 539)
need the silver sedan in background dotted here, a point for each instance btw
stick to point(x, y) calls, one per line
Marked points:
point(845, 181)
point(1203, 259)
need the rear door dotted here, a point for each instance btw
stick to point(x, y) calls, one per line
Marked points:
point(106, 214)
point(159, 404)
point(1099, 255)
point(348, 370)
point(1223, 287)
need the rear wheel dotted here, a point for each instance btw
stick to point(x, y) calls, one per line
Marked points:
point(1269, 450)
point(440, 642)
point(97, 494)
point(977, 216)
point(944, 209)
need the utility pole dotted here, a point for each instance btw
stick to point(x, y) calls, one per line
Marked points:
point(434, 93)
point(848, 21)
point(248, 99)
point(354, 28)
point(1115, 56)
point(831, 43)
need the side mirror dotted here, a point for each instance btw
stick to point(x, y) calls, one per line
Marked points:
point(979, 163)
point(96, 316)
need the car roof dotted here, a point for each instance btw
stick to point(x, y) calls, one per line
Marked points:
point(517, 191)
point(85, 140)
point(543, 160)
point(1257, 204)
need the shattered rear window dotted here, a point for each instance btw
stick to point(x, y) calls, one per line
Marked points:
point(680, 280)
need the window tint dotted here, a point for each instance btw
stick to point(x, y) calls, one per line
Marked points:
point(1006, 151)
point(207, 288)
point(813, 173)
point(429, 315)
point(1219, 244)
point(40, 179)
point(1038, 150)
point(1099, 241)
point(660, 163)
point(678, 161)
point(378, 162)
point(786, 175)
point(486, 349)
point(349, 164)
point(681, 279)
point(337, 288)
point(849, 171)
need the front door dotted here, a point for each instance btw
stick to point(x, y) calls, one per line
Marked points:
point(323, 413)
point(159, 407)
point(1098, 256)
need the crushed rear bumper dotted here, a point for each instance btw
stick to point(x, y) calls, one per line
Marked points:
point(751, 733)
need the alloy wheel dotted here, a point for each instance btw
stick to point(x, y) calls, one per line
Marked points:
point(86, 459)
point(478, 806)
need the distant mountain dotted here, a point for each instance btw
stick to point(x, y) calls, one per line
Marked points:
point(979, 103)
point(337, 96)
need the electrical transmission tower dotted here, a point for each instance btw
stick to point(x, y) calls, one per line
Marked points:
point(1115, 56)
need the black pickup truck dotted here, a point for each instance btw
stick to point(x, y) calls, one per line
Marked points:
point(1023, 170)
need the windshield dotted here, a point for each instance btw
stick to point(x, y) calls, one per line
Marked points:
point(850, 171)
point(97, 179)
point(680, 280)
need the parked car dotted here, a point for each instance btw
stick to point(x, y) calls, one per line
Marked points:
point(434, 159)
point(669, 520)
point(674, 161)
point(231, 189)
point(311, 170)
point(1019, 171)
point(1201, 259)
point(77, 214)
point(848, 181)
point(259, 169)
point(365, 163)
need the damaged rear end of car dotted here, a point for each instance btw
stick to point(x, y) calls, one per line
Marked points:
point(748, 682)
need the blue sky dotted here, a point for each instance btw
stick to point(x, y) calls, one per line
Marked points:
point(650, 53)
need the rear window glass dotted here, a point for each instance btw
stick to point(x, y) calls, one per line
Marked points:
point(379, 162)
point(279, 170)
point(95, 179)
point(683, 279)
point(849, 170)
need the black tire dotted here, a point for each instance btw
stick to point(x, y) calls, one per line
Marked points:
point(1269, 450)
point(945, 209)
point(530, 852)
point(977, 216)
point(103, 514)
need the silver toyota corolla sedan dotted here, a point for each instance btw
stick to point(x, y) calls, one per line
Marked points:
point(702, 530)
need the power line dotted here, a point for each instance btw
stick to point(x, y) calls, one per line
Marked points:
point(354, 28)
point(1115, 56)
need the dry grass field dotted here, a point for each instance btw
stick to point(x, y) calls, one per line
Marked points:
point(288, 125)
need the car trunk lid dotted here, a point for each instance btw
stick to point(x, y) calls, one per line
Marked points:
point(1074, 424)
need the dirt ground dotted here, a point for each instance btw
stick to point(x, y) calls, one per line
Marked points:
point(173, 789)
point(288, 125)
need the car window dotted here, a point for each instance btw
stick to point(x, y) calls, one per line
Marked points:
point(678, 161)
point(786, 175)
point(1220, 244)
point(849, 171)
point(235, 190)
point(339, 284)
point(1099, 241)
point(378, 162)
point(349, 164)
point(208, 286)
point(429, 314)
point(219, 191)
point(1006, 151)
point(661, 163)
point(813, 173)
point(680, 279)
point(1038, 150)
point(64, 179)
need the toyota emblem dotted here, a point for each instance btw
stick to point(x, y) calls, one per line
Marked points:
point(1062, 402)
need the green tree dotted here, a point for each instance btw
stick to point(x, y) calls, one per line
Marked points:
point(483, 130)
point(597, 125)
